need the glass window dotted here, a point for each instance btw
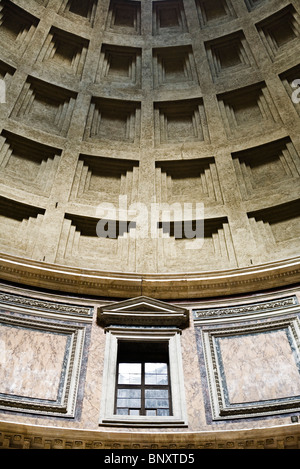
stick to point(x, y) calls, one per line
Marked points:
point(129, 373)
point(156, 373)
point(143, 384)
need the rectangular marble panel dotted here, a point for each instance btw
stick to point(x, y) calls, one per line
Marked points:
point(31, 362)
point(253, 369)
point(259, 367)
point(40, 364)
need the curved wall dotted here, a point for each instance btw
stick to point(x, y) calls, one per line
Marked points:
point(134, 104)
point(162, 102)
point(240, 381)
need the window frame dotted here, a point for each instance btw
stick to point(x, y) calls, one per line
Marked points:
point(144, 357)
point(171, 336)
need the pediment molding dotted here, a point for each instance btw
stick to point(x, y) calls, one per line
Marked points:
point(143, 311)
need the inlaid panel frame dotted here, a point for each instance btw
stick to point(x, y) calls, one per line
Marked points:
point(67, 391)
point(221, 407)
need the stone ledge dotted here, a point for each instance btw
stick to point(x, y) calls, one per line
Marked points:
point(20, 436)
point(159, 286)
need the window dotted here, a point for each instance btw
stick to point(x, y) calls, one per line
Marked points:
point(143, 380)
point(143, 373)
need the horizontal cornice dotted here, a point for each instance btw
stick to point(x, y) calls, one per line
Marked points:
point(15, 435)
point(160, 286)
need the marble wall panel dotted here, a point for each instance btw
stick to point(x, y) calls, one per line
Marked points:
point(252, 369)
point(31, 362)
point(259, 367)
point(40, 363)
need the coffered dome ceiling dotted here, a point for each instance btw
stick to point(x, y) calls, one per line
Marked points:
point(139, 105)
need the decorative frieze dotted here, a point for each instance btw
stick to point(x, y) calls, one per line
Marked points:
point(272, 306)
point(40, 306)
point(15, 437)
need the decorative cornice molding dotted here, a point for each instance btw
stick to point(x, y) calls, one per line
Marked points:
point(276, 305)
point(20, 436)
point(33, 304)
point(160, 286)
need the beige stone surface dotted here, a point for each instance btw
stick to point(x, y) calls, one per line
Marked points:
point(161, 102)
point(108, 99)
point(259, 367)
point(31, 363)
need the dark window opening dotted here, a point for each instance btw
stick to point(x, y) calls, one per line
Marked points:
point(143, 379)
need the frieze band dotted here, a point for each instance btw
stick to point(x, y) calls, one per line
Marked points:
point(246, 309)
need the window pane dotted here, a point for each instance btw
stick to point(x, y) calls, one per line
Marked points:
point(162, 380)
point(158, 368)
point(151, 412)
point(129, 373)
point(156, 373)
point(157, 393)
point(163, 412)
point(129, 393)
point(157, 399)
point(134, 412)
point(122, 411)
point(129, 403)
point(157, 403)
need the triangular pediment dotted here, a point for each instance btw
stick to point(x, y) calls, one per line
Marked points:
point(143, 311)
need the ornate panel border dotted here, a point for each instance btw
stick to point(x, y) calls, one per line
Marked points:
point(44, 307)
point(221, 406)
point(254, 310)
point(65, 403)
